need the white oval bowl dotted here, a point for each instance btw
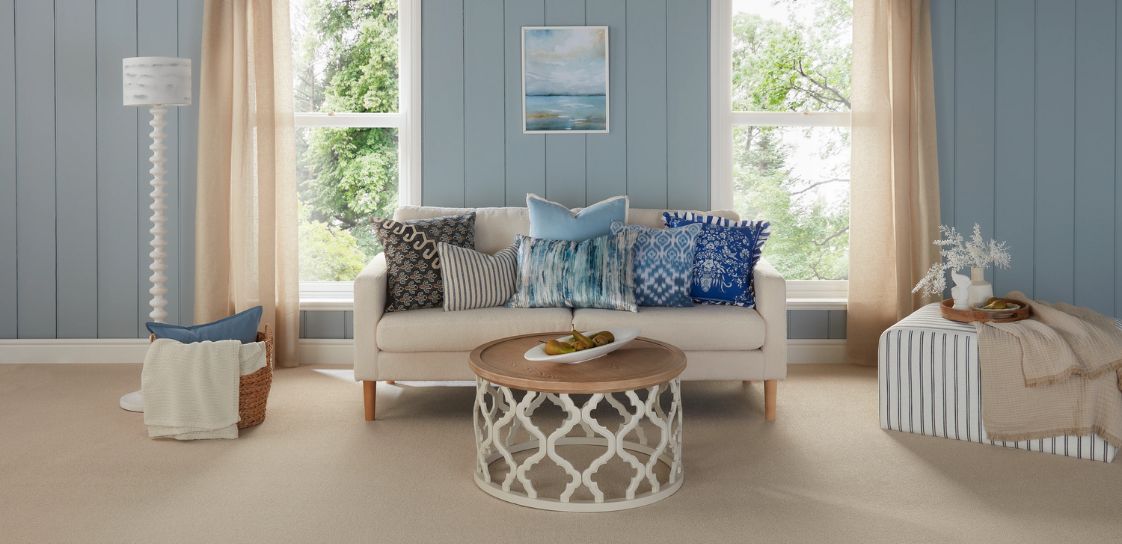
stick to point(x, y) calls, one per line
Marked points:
point(623, 336)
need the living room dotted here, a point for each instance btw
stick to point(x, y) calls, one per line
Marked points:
point(571, 270)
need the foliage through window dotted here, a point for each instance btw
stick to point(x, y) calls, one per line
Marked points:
point(790, 98)
point(345, 61)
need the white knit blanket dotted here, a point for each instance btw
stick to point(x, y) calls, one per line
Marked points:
point(191, 390)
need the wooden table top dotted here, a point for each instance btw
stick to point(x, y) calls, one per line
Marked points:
point(641, 363)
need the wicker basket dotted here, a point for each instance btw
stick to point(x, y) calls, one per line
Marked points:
point(253, 389)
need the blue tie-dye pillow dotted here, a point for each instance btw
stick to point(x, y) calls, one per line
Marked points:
point(595, 273)
point(663, 262)
point(726, 254)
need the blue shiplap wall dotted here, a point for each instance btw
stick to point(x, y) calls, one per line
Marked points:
point(1027, 99)
point(74, 167)
point(657, 152)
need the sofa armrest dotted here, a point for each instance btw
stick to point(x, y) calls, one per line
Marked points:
point(370, 303)
point(771, 303)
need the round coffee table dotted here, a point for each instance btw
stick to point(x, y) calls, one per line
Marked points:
point(636, 387)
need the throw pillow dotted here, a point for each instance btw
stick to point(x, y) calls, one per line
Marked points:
point(413, 261)
point(476, 280)
point(553, 221)
point(726, 255)
point(663, 262)
point(241, 326)
point(596, 273)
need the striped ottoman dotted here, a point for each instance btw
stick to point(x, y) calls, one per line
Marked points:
point(930, 381)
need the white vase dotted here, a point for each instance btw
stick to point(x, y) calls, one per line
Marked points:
point(961, 291)
point(980, 289)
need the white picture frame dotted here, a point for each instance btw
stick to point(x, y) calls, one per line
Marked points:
point(563, 102)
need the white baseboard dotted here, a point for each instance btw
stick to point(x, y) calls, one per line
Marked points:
point(309, 351)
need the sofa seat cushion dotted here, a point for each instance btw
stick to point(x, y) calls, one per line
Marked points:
point(704, 327)
point(436, 330)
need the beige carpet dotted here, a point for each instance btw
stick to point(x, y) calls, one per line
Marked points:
point(75, 468)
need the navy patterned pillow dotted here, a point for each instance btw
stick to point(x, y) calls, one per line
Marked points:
point(663, 262)
point(726, 254)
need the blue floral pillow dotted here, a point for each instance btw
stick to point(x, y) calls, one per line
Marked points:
point(663, 261)
point(726, 254)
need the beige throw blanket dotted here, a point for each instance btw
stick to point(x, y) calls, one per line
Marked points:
point(1054, 374)
point(191, 390)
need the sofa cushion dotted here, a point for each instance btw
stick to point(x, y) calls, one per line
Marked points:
point(703, 327)
point(437, 330)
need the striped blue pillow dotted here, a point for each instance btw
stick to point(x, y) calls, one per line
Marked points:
point(594, 273)
point(727, 253)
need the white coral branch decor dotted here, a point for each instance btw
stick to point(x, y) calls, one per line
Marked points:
point(957, 253)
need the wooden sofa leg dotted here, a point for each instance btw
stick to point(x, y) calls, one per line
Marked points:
point(391, 382)
point(369, 392)
point(770, 388)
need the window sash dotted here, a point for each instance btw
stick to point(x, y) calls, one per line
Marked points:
point(349, 120)
point(791, 119)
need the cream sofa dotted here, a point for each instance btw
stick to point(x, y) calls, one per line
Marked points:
point(720, 342)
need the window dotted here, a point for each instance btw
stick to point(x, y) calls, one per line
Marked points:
point(781, 129)
point(352, 80)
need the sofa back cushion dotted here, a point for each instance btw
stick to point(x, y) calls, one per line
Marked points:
point(495, 228)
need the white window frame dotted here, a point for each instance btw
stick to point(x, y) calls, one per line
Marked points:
point(801, 294)
point(339, 295)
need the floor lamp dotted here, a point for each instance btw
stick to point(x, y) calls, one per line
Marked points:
point(157, 83)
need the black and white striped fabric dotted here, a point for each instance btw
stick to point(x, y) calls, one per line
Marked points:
point(476, 280)
point(930, 384)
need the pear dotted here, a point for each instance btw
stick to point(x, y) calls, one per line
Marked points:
point(582, 342)
point(558, 347)
point(603, 338)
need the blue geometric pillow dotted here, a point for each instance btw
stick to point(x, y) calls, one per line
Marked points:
point(726, 254)
point(663, 261)
point(596, 273)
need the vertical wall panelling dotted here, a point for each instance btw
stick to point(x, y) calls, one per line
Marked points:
point(484, 154)
point(442, 37)
point(808, 324)
point(324, 324)
point(1055, 149)
point(525, 153)
point(117, 147)
point(565, 153)
point(837, 324)
point(190, 46)
point(9, 288)
point(1094, 154)
point(1117, 163)
point(942, 49)
point(1014, 143)
point(974, 115)
point(76, 167)
point(646, 103)
point(35, 168)
point(157, 37)
point(606, 154)
point(687, 79)
point(349, 325)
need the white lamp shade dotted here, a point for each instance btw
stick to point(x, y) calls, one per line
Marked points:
point(150, 81)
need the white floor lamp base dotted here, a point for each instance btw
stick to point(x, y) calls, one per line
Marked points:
point(133, 402)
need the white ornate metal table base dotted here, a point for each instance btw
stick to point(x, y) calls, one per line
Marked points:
point(499, 414)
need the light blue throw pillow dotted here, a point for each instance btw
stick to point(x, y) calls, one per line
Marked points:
point(241, 326)
point(663, 263)
point(596, 273)
point(726, 255)
point(552, 221)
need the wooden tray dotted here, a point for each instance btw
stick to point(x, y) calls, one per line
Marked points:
point(972, 315)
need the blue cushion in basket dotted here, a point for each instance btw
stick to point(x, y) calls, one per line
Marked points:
point(240, 326)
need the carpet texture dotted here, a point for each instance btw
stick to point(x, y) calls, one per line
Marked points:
point(75, 468)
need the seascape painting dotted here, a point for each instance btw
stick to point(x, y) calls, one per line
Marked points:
point(565, 79)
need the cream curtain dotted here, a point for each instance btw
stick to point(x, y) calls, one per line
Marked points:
point(895, 180)
point(245, 219)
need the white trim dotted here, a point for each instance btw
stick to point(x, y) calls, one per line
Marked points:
point(327, 295)
point(409, 103)
point(607, 82)
point(355, 120)
point(791, 118)
point(720, 98)
point(816, 351)
point(322, 351)
point(817, 294)
point(96, 351)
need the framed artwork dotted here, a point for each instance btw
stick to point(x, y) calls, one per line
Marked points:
point(564, 79)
